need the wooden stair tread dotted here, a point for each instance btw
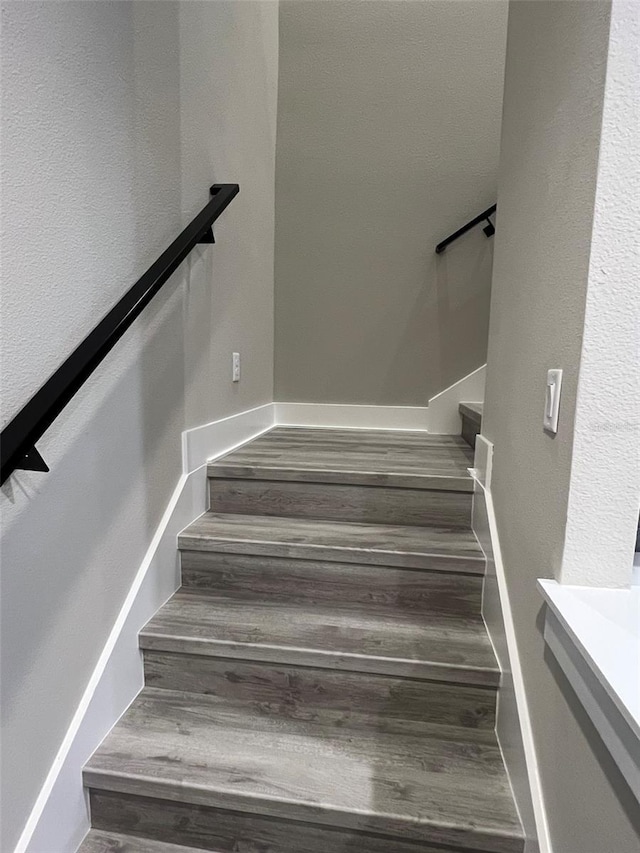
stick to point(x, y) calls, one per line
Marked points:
point(99, 841)
point(381, 640)
point(324, 679)
point(404, 546)
point(361, 457)
point(192, 748)
point(473, 411)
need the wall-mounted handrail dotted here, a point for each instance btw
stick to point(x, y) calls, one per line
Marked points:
point(18, 438)
point(489, 228)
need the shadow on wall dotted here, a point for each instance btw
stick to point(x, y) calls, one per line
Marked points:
point(463, 295)
point(451, 306)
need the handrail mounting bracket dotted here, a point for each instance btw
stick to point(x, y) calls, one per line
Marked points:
point(489, 229)
point(207, 237)
point(32, 461)
point(18, 438)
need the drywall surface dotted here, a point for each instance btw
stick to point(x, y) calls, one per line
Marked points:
point(444, 415)
point(92, 192)
point(228, 97)
point(553, 106)
point(604, 489)
point(388, 138)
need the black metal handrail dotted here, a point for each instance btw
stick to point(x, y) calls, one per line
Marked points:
point(18, 438)
point(489, 228)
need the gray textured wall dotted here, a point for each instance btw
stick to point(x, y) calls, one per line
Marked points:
point(555, 76)
point(92, 135)
point(228, 104)
point(388, 138)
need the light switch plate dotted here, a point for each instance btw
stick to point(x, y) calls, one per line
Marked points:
point(552, 400)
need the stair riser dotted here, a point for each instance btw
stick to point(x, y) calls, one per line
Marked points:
point(332, 660)
point(378, 553)
point(310, 581)
point(345, 699)
point(225, 831)
point(366, 504)
point(470, 430)
point(441, 481)
point(107, 841)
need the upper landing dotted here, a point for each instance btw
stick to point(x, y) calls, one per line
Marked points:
point(366, 457)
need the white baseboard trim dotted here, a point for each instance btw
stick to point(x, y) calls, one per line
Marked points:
point(513, 723)
point(59, 819)
point(444, 418)
point(219, 437)
point(339, 416)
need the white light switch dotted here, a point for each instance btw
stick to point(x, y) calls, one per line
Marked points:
point(235, 367)
point(552, 400)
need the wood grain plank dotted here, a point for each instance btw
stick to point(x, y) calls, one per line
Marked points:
point(346, 699)
point(352, 456)
point(99, 841)
point(442, 481)
point(223, 831)
point(249, 577)
point(404, 546)
point(472, 411)
point(378, 640)
point(323, 680)
point(364, 504)
point(187, 748)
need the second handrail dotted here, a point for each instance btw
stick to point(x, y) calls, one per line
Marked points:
point(489, 228)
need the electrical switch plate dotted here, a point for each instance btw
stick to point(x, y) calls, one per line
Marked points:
point(235, 367)
point(552, 400)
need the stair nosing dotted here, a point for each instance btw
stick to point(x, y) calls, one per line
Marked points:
point(500, 831)
point(154, 638)
point(208, 537)
point(467, 411)
point(471, 563)
point(227, 546)
point(372, 479)
point(247, 803)
point(142, 841)
point(289, 655)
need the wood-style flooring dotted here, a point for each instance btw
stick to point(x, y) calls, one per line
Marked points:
point(323, 681)
point(358, 457)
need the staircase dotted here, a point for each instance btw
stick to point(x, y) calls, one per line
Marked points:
point(471, 415)
point(323, 681)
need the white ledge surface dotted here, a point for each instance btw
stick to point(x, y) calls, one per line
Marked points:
point(603, 626)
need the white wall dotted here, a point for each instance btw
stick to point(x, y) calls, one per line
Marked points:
point(93, 188)
point(604, 487)
point(388, 140)
point(547, 190)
